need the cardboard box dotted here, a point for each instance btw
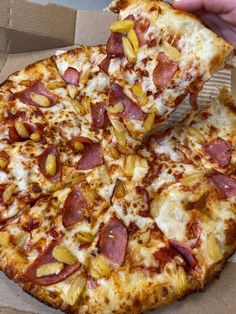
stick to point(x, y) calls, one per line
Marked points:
point(30, 32)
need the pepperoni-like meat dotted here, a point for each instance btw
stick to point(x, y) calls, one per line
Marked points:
point(44, 258)
point(131, 110)
point(37, 88)
point(80, 139)
point(226, 186)
point(219, 151)
point(185, 253)
point(113, 240)
point(141, 27)
point(164, 256)
point(104, 65)
point(99, 116)
point(42, 164)
point(71, 76)
point(91, 158)
point(141, 190)
point(74, 206)
point(115, 46)
point(164, 71)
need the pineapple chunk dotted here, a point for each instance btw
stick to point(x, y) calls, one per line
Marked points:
point(21, 129)
point(129, 165)
point(3, 163)
point(214, 252)
point(133, 38)
point(119, 190)
point(129, 50)
point(149, 121)
point(117, 108)
point(197, 135)
point(63, 255)
point(4, 238)
point(100, 267)
point(85, 76)
point(113, 152)
point(40, 100)
point(7, 194)
point(78, 146)
point(55, 84)
point(85, 103)
point(172, 52)
point(74, 293)
point(139, 94)
point(181, 280)
point(72, 90)
point(51, 165)
point(90, 195)
point(35, 137)
point(122, 26)
point(121, 137)
point(84, 237)
point(49, 269)
point(193, 179)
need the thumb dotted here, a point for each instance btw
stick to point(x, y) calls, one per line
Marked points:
point(213, 6)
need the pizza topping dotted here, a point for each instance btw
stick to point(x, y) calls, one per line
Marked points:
point(132, 37)
point(129, 50)
point(78, 142)
point(149, 121)
point(194, 132)
point(72, 90)
point(46, 270)
point(129, 165)
point(99, 115)
point(50, 165)
point(37, 95)
point(185, 253)
point(4, 160)
point(21, 129)
point(71, 76)
point(4, 239)
point(141, 27)
point(172, 53)
point(119, 191)
point(225, 185)
point(117, 108)
point(36, 137)
point(75, 291)
point(63, 255)
point(139, 94)
point(8, 193)
point(84, 237)
point(214, 252)
point(115, 46)
point(113, 241)
point(100, 267)
point(131, 110)
point(104, 65)
point(122, 26)
point(91, 158)
point(74, 208)
point(119, 132)
point(49, 269)
point(164, 71)
point(164, 256)
point(219, 151)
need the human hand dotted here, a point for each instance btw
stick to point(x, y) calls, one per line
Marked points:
point(219, 15)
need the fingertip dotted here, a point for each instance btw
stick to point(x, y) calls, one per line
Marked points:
point(177, 4)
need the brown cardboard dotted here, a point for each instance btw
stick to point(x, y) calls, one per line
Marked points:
point(27, 27)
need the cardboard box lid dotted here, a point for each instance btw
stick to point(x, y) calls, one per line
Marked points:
point(26, 27)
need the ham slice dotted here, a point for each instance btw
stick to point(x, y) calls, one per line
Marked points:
point(131, 110)
point(219, 151)
point(44, 258)
point(99, 116)
point(225, 185)
point(71, 76)
point(115, 46)
point(37, 88)
point(164, 71)
point(91, 158)
point(113, 241)
point(42, 164)
point(73, 211)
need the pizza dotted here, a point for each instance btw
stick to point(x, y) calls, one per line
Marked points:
point(94, 218)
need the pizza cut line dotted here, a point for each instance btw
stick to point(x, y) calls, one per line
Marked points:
point(92, 220)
